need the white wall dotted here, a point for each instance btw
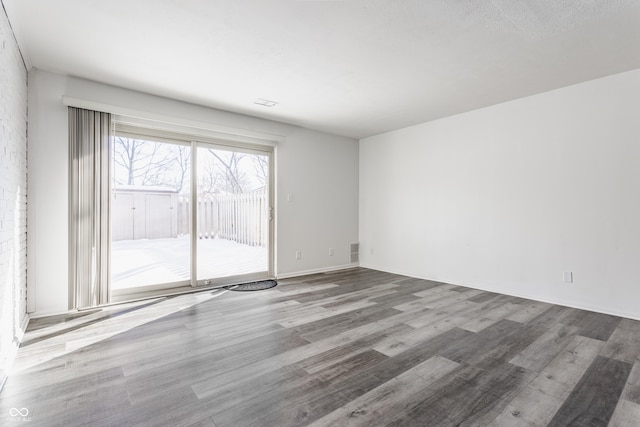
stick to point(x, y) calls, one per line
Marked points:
point(13, 195)
point(507, 198)
point(318, 169)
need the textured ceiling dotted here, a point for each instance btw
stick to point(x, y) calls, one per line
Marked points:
point(350, 67)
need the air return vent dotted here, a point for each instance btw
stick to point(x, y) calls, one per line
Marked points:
point(354, 252)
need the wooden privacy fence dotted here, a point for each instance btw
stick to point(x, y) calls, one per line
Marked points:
point(242, 218)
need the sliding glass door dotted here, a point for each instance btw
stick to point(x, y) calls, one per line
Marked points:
point(150, 223)
point(233, 213)
point(187, 213)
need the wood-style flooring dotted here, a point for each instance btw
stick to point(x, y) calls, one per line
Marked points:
point(351, 348)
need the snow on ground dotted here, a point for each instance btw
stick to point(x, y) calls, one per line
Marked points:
point(150, 262)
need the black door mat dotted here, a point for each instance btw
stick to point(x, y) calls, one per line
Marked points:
point(253, 286)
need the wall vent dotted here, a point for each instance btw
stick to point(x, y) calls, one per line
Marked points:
point(354, 252)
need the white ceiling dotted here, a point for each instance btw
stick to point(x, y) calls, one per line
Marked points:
point(350, 67)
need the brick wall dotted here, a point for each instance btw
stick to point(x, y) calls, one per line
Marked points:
point(13, 194)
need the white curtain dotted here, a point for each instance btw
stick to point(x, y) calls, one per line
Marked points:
point(89, 139)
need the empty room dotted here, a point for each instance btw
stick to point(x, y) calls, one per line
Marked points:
point(320, 212)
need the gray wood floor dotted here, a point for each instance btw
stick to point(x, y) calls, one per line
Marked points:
point(356, 347)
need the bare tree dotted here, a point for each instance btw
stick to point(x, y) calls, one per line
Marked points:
point(125, 154)
point(261, 166)
point(234, 177)
point(141, 162)
point(210, 181)
point(151, 163)
point(183, 160)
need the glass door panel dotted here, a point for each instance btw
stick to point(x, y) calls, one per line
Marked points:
point(232, 213)
point(150, 220)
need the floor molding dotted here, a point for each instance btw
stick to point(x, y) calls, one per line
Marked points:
point(506, 291)
point(316, 271)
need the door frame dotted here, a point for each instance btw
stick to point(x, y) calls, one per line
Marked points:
point(122, 126)
point(250, 277)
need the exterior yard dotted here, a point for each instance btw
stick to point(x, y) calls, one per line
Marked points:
point(155, 261)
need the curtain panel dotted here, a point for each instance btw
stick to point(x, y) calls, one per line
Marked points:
point(89, 146)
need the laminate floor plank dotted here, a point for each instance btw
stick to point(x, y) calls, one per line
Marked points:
point(233, 395)
point(411, 306)
point(86, 398)
point(398, 343)
point(365, 293)
point(484, 297)
point(506, 347)
point(432, 294)
point(332, 320)
point(595, 397)
point(351, 347)
point(140, 411)
point(553, 315)
point(626, 414)
point(396, 298)
point(466, 395)
point(328, 358)
point(350, 365)
point(476, 344)
point(528, 311)
point(495, 389)
point(429, 317)
point(201, 369)
point(452, 298)
point(390, 398)
point(293, 321)
point(422, 351)
point(299, 413)
point(499, 301)
point(368, 334)
point(631, 391)
point(561, 375)
point(489, 317)
point(209, 382)
point(371, 340)
point(291, 291)
point(344, 289)
point(415, 285)
point(208, 316)
point(596, 325)
point(624, 343)
point(357, 319)
point(544, 349)
point(334, 355)
point(315, 387)
point(530, 408)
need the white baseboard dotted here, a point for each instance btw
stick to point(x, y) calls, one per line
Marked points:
point(13, 352)
point(316, 271)
point(23, 327)
point(497, 289)
point(41, 314)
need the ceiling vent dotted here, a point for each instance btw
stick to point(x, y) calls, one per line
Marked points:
point(265, 102)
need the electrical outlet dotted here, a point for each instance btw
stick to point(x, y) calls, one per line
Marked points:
point(331, 252)
point(298, 254)
point(567, 277)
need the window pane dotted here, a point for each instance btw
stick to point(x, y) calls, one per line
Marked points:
point(232, 213)
point(149, 213)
